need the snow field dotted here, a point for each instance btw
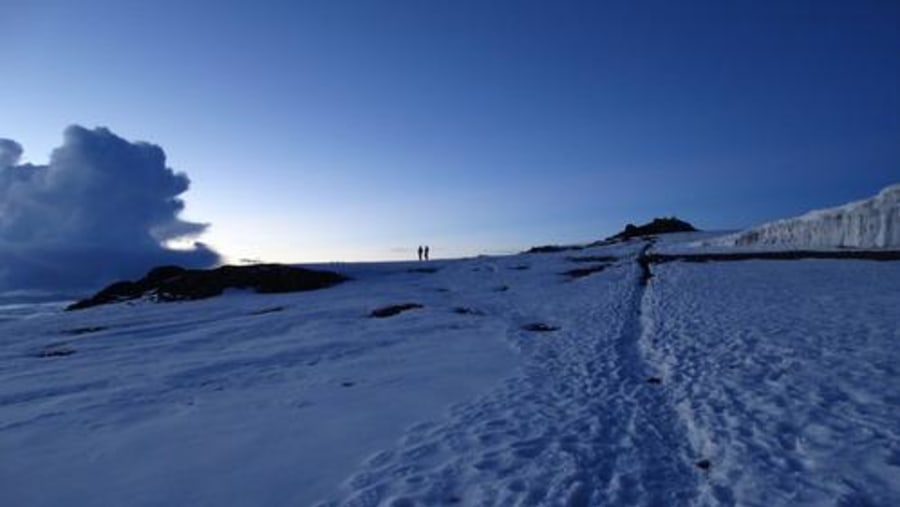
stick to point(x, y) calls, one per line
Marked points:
point(726, 383)
point(580, 426)
point(786, 376)
point(230, 401)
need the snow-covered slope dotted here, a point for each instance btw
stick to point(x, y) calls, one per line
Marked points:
point(745, 383)
point(870, 223)
point(241, 400)
point(786, 375)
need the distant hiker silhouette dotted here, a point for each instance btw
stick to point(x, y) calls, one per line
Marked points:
point(420, 252)
point(426, 252)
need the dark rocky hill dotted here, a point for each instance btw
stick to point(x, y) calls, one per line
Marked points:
point(174, 283)
point(657, 226)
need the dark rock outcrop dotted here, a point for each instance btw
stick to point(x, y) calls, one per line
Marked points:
point(58, 350)
point(390, 311)
point(553, 249)
point(173, 283)
point(583, 272)
point(594, 258)
point(540, 327)
point(657, 226)
point(465, 310)
point(778, 255)
point(84, 330)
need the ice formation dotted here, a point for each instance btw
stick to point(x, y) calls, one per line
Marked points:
point(870, 223)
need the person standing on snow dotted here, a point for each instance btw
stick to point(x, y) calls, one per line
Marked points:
point(420, 252)
point(426, 252)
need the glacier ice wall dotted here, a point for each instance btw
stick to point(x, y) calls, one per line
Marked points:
point(870, 223)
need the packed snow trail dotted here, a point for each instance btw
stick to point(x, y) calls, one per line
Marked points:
point(581, 426)
point(786, 375)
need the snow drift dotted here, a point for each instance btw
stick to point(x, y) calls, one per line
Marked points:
point(870, 223)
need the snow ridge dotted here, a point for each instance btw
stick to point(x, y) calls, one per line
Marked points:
point(869, 223)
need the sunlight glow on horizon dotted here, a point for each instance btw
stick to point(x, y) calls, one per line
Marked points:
point(324, 131)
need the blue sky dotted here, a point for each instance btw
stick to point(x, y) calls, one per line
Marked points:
point(345, 130)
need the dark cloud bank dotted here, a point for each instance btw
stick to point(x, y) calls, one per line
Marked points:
point(102, 209)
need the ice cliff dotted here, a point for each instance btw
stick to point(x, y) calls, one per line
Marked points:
point(870, 223)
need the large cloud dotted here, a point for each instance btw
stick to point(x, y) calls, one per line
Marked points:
point(102, 209)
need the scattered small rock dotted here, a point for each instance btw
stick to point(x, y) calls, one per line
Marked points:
point(603, 242)
point(594, 258)
point(84, 330)
point(462, 310)
point(703, 464)
point(654, 380)
point(521, 267)
point(390, 311)
point(553, 249)
point(502, 288)
point(583, 272)
point(423, 270)
point(540, 327)
point(56, 352)
point(264, 311)
point(348, 384)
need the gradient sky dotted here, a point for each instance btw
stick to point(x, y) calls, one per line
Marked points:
point(346, 130)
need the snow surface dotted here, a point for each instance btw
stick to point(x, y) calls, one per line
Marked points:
point(786, 375)
point(870, 223)
point(782, 374)
point(205, 403)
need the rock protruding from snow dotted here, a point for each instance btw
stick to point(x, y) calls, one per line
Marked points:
point(174, 283)
point(870, 223)
point(657, 226)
